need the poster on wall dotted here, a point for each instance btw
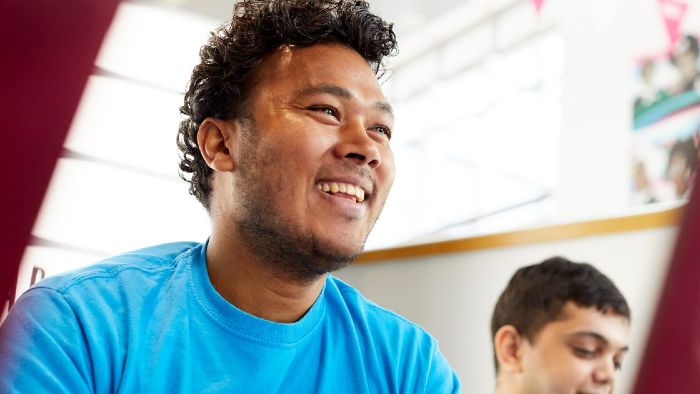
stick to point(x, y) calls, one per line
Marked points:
point(666, 132)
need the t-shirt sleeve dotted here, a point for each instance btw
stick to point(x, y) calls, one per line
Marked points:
point(42, 348)
point(441, 377)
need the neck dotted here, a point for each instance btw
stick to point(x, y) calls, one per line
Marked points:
point(506, 385)
point(242, 279)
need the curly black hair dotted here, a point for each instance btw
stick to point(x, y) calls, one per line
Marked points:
point(220, 82)
point(536, 295)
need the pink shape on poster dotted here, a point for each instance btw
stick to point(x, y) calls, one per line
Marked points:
point(538, 5)
point(673, 12)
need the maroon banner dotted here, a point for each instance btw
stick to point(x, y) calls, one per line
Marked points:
point(48, 52)
point(671, 362)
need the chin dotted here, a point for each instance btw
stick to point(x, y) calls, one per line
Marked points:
point(337, 254)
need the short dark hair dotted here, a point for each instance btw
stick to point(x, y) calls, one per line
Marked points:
point(536, 294)
point(221, 82)
point(687, 44)
point(687, 149)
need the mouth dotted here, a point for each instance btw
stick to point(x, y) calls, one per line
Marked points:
point(350, 191)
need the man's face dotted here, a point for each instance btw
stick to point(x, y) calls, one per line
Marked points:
point(687, 64)
point(316, 165)
point(679, 173)
point(576, 354)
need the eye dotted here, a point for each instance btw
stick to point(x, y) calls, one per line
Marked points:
point(382, 130)
point(326, 109)
point(584, 353)
point(617, 361)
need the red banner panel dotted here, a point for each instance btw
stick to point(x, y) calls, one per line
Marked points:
point(671, 362)
point(48, 52)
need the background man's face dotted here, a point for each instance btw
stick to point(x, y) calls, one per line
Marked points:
point(679, 172)
point(320, 123)
point(576, 354)
point(687, 64)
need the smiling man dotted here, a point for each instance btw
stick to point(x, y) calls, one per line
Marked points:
point(559, 327)
point(286, 143)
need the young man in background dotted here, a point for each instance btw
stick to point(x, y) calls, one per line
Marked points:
point(559, 327)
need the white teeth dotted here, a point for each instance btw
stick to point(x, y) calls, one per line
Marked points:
point(346, 188)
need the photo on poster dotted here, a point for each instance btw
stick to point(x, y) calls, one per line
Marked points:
point(666, 131)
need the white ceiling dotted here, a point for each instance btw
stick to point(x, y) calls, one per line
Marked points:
point(407, 15)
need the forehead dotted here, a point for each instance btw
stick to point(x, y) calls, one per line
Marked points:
point(589, 322)
point(295, 69)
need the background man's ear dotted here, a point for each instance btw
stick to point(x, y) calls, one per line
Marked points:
point(216, 139)
point(508, 344)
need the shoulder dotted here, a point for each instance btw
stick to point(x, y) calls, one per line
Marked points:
point(110, 294)
point(378, 318)
point(143, 262)
point(67, 326)
point(393, 341)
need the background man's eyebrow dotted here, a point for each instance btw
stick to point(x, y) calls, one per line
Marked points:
point(596, 336)
point(589, 334)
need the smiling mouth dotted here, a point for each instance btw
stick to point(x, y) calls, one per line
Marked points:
point(346, 190)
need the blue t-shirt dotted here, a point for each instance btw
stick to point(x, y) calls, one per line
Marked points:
point(150, 321)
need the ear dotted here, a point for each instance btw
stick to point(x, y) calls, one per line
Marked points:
point(217, 140)
point(508, 344)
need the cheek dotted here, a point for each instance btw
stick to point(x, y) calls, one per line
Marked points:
point(572, 374)
point(388, 169)
point(559, 371)
point(277, 178)
point(391, 168)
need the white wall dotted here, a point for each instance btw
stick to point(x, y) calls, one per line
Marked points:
point(452, 295)
point(602, 40)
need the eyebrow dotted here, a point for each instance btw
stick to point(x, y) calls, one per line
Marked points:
point(340, 91)
point(595, 335)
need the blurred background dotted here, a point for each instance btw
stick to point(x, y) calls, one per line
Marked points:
point(511, 114)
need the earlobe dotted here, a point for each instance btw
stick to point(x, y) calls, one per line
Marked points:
point(508, 344)
point(216, 138)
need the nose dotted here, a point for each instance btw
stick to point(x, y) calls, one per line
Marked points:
point(356, 145)
point(605, 373)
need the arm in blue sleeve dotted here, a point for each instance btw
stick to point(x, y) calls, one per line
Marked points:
point(42, 347)
point(442, 378)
